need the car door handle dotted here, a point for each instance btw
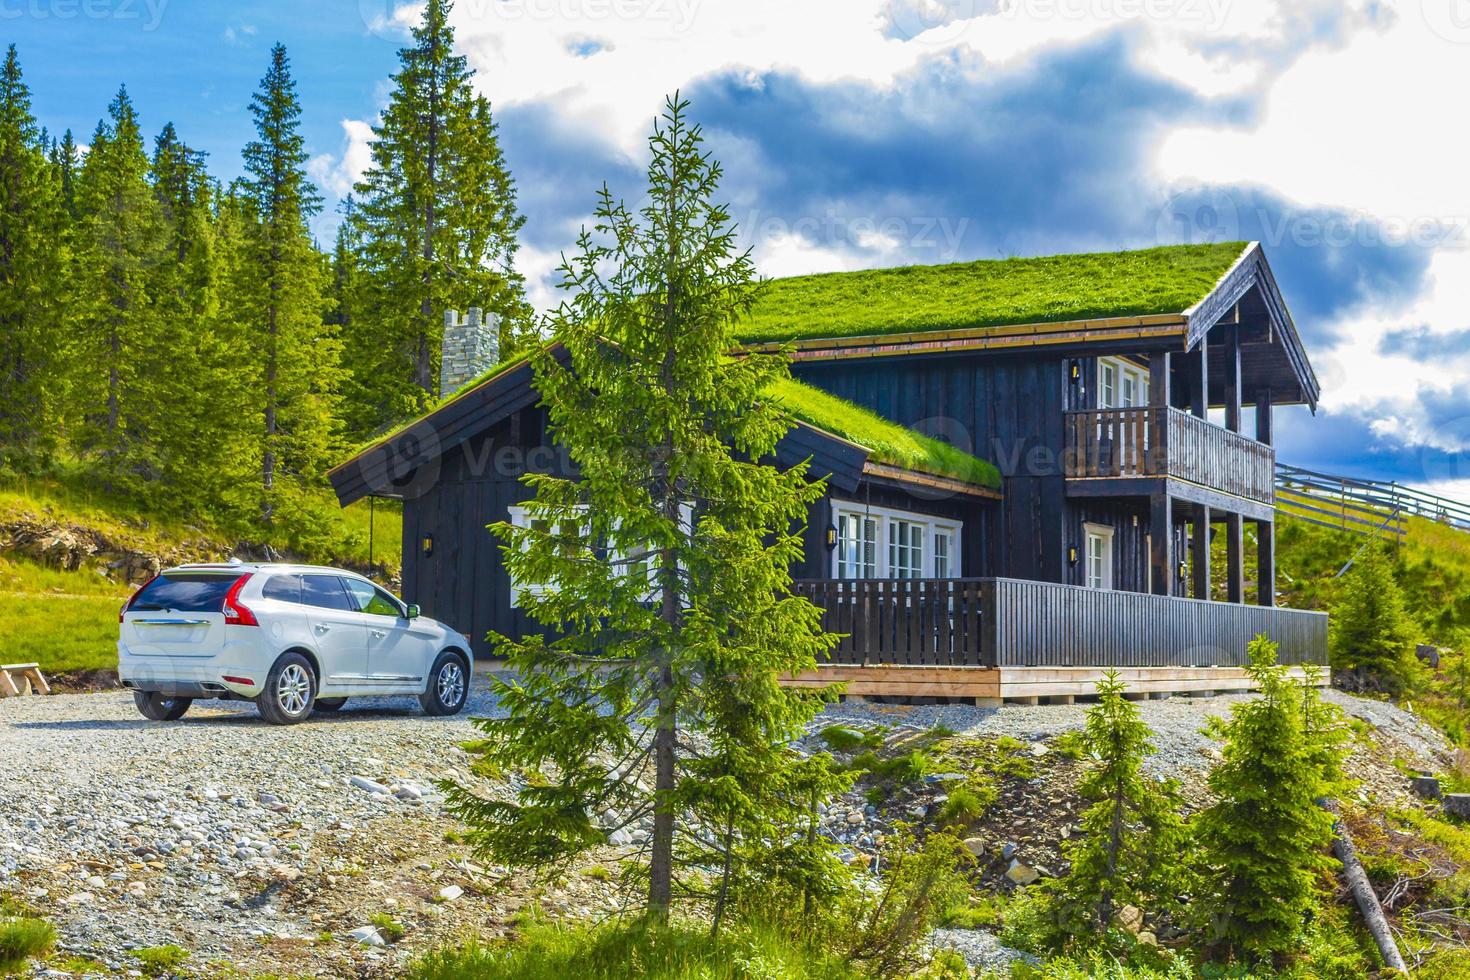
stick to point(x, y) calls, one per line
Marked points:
point(379, 634)
point(322, 629)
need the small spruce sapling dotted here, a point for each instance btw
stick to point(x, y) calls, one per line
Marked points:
point(1373, 636)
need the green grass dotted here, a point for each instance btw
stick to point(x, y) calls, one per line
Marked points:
point(989, 293)
point(618, 951)
point(389, 928)
point(22, 939)
point(160, 961)
point(889, 442)
point(61, 633)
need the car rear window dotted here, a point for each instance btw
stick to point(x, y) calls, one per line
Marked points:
point(286, 588)
point(184, 592)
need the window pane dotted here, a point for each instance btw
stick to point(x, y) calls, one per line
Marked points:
point(185, 592)
point(325, 591)
point(286, 588)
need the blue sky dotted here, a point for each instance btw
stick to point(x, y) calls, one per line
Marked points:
point(861, 133)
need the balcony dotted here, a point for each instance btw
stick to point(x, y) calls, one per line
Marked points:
point(1156, 442)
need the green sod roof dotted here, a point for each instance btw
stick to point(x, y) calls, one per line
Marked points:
point(888, 442)
point(989, 293)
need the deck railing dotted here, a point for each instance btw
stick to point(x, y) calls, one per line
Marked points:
point(1135, 442)
point(991, 622)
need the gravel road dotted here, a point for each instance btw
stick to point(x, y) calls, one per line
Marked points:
point(263, 847)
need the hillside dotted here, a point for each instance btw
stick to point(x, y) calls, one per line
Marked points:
point(70, 555)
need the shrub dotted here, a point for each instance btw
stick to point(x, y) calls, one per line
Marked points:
point(920, 885)
point(967, 803)
point(840, 738)
point(389, 928)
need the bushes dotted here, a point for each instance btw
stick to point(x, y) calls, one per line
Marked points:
point(1373, 637)
point(22, 938)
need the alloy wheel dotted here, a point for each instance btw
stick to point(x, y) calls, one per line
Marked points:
point(450, 683)
point(293, 689)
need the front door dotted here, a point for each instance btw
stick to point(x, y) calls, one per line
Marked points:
point(339, 631)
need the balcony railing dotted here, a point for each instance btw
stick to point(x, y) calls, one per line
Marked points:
point(1136, 442)
point(998, 622)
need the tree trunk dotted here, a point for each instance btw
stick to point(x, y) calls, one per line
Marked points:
point(1363, 893)
point(268, 458)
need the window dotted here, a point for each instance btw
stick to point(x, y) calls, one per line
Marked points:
point(326, 592)
point(284, 588)
point(368, 598)
point(879, 542)
point(571, 537)
point(185, 592)
point(857, 546)
point(636, 562)
point(1099, 567)
point(944, 553)
point(1121, 384)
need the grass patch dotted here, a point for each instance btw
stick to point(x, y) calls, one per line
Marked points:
point(988, 293)
point(60, 633)
point(968, 802)
point(840, 738)
point(388, 927)
point(22, 939)
point(890, 442)
point(617, 951)
point(160, 961)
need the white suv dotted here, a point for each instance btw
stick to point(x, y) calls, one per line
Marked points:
point(291, 638)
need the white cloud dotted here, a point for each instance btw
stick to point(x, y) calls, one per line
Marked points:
point(338, 172)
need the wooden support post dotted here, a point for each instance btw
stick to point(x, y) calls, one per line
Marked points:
point(1234, 558)
point(1161, 543)
point(1159, 378)
point(1232, 378)
point(1199, 388)
point(1266, 563)
point(1263, 416)
point(1199, 547)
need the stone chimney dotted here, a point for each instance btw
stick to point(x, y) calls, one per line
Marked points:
point(471, 347)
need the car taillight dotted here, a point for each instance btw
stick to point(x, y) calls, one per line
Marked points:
point(133, 598)
point(235, 613)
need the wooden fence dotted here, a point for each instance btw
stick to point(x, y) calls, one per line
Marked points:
point(997, 622)
point(1128, 442)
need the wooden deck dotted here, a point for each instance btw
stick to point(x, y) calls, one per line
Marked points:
point(1025, 685)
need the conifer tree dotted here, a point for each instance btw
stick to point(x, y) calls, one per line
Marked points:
point(437, 219)
point(31, 261)
point(1373, 637)
point(1266, 838)
point(118, 244)
point(66, 160)
point(279, 288)
point(1134, 846)
point(665, 560)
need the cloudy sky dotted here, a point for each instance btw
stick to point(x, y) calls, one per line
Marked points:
point(861, 133)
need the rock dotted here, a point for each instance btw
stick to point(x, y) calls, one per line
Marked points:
point(1020, 874)
point(366, 936)
point(450, 892)
point(975, 845)
point(1147, 939)
point(1457, 805)
point(1427, 786)
point(1007, 851)
point(855, 817)
point(369, 786)
point(1130, 917)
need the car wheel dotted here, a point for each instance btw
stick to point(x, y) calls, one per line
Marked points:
point(160, 707)
point(290, 691)
point(330, 704)
point(449, 686)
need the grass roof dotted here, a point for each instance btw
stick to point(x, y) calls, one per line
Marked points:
point(988, 293)
point(888, 441)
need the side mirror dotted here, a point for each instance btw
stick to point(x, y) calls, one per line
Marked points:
point(413, 611)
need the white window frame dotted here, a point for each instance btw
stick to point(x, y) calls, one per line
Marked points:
point(1122, 372)
point(885, 520)
point(1103, 535)
point(521, 517)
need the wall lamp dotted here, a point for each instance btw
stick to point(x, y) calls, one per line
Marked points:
point(1072, 555)
point(831, 537)
point(428, 544)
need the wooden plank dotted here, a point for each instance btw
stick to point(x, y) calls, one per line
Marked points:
point(7, 685)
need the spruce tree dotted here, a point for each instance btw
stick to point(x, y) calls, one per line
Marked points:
point(437, 220)
point(118, 363)
point(66, 160)
point(1134, 844)
point(279, 289)
point(665, 562)
point(1372, 636)
point(1266, 837)
point(32, 258)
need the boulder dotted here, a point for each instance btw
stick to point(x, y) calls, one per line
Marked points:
point(1457, 805)
point(975, 845)
point(1427, 786)
point(1020, 874)
point(1130, 917)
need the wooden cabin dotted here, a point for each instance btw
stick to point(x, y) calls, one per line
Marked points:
point(1034, 467)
